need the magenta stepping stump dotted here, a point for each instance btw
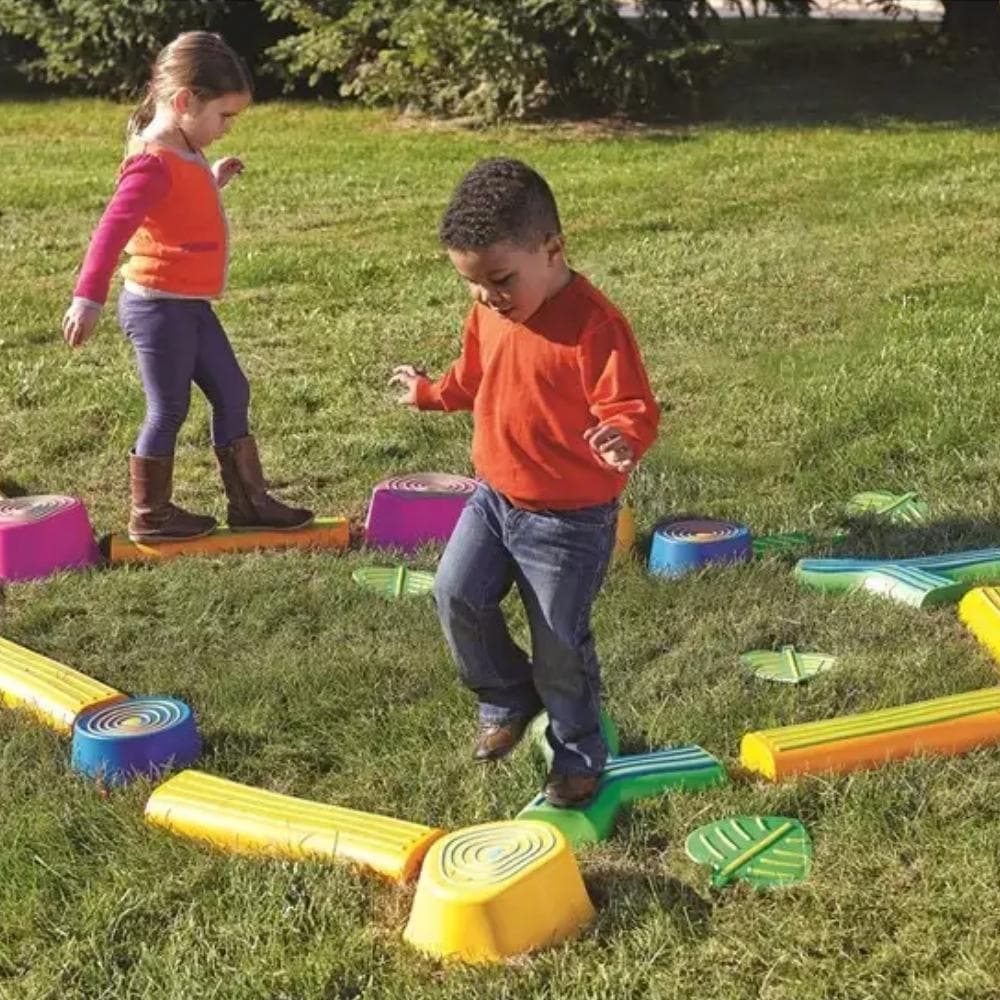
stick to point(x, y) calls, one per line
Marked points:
point(407, 511)
point(42, 535)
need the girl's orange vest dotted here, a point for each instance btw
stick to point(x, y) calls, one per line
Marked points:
point(181, 246)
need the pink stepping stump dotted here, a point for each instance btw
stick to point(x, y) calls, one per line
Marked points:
point(44, 534)
point(407, 511)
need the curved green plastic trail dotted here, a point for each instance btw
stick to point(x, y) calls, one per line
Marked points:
point(764, 851)
point(626, 779)
point(783, 542)
point(921, 582)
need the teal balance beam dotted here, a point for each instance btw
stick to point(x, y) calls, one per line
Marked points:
point(920, 583)
point(626, 779)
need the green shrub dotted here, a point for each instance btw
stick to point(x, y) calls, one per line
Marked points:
point(489, 59)
point(108, 46)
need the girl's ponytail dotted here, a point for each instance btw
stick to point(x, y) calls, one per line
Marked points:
point(142, 115)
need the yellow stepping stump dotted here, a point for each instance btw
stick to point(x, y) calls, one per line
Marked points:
point(949, 725)
point(323, 533)
point(500, 889)
point(980, 610)
point(50, 691)
point(249, 820)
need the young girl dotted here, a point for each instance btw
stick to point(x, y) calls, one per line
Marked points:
point(166, 213)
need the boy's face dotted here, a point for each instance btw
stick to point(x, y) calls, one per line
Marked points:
point(513, 280)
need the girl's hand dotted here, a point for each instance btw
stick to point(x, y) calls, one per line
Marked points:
point(610, 447)
point(79, 322)
point(408, 377)
point(226, 169)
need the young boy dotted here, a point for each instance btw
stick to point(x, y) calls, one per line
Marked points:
point(562, 411)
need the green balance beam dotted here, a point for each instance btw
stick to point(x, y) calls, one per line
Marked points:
point(624, 780)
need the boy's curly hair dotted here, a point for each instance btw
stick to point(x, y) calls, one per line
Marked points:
point(500, 201)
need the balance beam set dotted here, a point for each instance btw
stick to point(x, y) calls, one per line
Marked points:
point(54, 694)
point(254, 821)
point(950, 725)
point(322, 533)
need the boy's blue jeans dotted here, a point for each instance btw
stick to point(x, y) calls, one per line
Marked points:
point(558, 560)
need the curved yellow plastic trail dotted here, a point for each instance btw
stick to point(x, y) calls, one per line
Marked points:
point(980, 611)
point(53, 693)
point(493, 891)
point(949, 725)
point(322, 533)
point(249, 820)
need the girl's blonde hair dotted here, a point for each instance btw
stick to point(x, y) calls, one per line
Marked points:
point(202, 62)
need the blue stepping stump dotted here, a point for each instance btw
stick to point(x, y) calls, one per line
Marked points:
point(683, 546)
point(137, 737)
point(626, 779)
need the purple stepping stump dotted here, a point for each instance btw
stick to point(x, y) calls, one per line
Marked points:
point(407, 511)
point(44, 534)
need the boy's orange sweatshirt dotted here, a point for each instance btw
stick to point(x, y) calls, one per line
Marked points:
point(535, 387)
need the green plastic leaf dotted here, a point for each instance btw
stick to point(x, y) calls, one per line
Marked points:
point(897, 508)
point(787, 665)
point(764, 851)
point(394, 581)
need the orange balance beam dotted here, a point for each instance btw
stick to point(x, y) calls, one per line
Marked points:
point(323, 533)
point(949, 725)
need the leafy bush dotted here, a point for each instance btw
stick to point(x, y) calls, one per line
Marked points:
point(107, 46)
point(489, 59)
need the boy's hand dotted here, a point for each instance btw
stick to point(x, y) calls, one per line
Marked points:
point(610, 447)
point(79, 322)
point(226, 169)
point(407, 376)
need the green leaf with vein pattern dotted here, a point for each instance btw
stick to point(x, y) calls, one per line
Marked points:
point(786, 665)
point(765, 851)
point(897, 508)
point(394, 581)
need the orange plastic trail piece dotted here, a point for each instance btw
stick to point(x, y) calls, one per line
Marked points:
point(949, 725)
point(323, 533)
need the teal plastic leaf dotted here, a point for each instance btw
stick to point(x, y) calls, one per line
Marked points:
point(896, 508)
point(786, 665)
point(394, 581)
point(764, 851)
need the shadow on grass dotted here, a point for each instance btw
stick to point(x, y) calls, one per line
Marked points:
point(871, 539)
point(607, 885)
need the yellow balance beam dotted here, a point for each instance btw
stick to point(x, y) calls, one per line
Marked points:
point(249, 820)
point(50, 691)
point(323, 533)
point(980, 610)
point(949, 725)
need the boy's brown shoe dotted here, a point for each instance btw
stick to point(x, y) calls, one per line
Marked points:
point(570, 790)
point(496, 740)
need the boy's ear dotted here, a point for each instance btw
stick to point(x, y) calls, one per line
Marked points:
point(555, 247)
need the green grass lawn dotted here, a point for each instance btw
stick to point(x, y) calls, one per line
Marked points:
point(818, 309)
